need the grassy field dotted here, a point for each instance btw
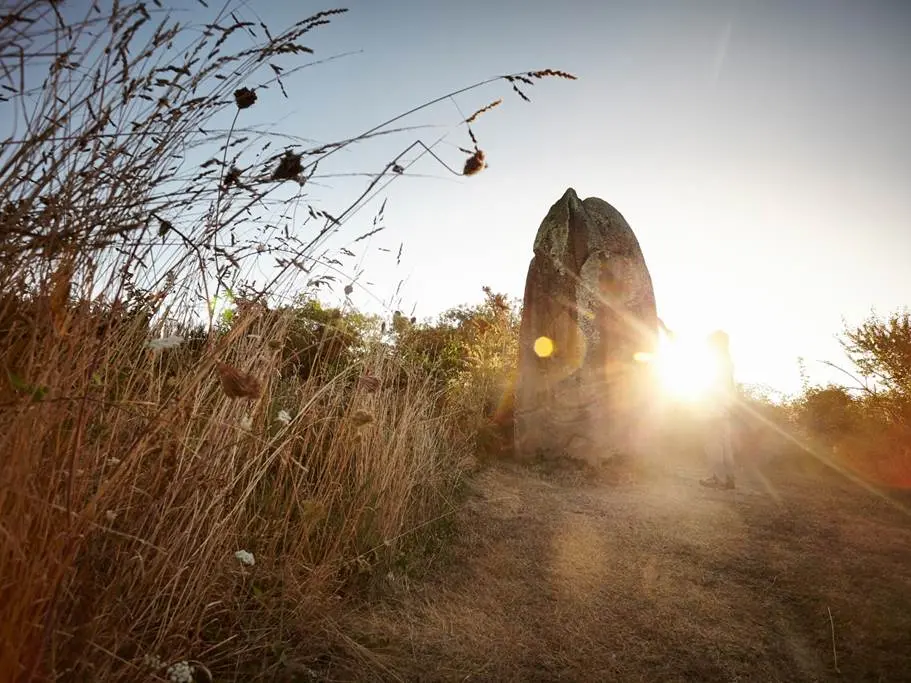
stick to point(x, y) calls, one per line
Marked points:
point(791, 577)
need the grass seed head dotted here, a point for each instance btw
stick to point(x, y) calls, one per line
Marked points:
point(473, 117)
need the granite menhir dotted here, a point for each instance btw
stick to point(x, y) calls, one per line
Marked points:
point(588, 321)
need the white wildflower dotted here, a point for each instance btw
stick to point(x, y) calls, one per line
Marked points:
point(246, 422)
point(245, 557)
point(113, 461)
point(283, 416)
point(165, 342)
point(152, 661)
point(180, 672)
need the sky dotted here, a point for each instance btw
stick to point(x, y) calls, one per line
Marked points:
point(760, 150)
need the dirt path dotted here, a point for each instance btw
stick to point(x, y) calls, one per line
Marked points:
point(660, 579)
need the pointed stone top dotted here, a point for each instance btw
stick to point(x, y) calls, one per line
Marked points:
point(591, 222)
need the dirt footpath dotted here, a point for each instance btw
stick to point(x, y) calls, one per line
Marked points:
point(554, 578)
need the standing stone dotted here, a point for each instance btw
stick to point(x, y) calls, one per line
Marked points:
point(589, 310)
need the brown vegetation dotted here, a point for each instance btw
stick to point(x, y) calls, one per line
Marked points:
point(193, 478)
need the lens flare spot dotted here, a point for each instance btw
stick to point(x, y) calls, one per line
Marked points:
point(544, 347)
point(643, 357)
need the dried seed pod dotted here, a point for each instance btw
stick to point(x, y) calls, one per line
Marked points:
point(244, 98)
point(289, 167)
point(237, 384)
point(475, 163)
point(232, 177)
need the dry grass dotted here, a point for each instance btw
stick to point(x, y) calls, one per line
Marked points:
point(656, 579)
point(166, 490)
point(125, 501)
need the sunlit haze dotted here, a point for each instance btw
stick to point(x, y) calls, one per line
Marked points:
point(761, 151)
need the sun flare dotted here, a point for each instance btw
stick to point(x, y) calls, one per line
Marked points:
point(687, 369)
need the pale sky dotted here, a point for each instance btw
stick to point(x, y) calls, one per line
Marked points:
point(761, 151)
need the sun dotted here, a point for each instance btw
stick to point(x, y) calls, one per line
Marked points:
point(686, 369)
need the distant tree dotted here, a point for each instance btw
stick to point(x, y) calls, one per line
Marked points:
point(881, 350)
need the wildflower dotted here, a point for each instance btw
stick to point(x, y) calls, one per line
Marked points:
point(152, 661)
point(180, 672)
point(245, 557)
point(246, 422)
point(237, 384)
point(113, 461)
point(165, 342)
point(283, 416)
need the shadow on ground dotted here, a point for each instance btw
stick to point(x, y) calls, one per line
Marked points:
point(655, 579)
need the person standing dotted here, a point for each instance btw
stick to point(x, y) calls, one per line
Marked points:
point(719, 446)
